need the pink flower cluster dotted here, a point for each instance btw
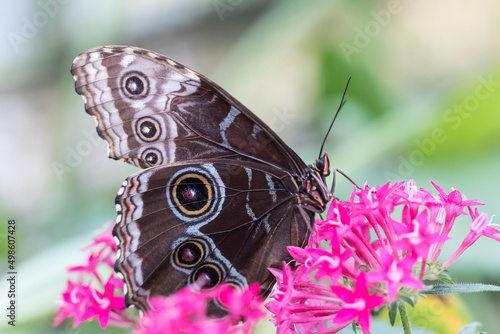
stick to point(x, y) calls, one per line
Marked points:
point(91, 297)
point(362, 257)
point(185, 312)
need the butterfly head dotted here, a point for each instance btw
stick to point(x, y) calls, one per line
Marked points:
point(322, 165)
point(314, 191)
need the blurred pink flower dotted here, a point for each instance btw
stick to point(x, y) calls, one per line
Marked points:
point(93, 261)
point(90, 297)
point(242, 304)
point(98, 299)
point(75, 303)
point(106, 303)
point(186, 312)
point(85, 302)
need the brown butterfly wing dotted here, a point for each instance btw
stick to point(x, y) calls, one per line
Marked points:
point(152, 110)
point(222, 219)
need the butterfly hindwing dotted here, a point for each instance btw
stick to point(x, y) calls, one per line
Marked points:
point(221, 219)
point(152, 111)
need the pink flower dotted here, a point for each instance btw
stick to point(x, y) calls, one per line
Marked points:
point(283, 293)
point(99, 299)
point(479, 227)
point(298, 302)
point(85, 302)
point(326, 263)
point(94, 260)
point(416, 237)
point(357, 304)
point(186, 312)
point(454, 202)
point(75, 303)
point(395, 275)
point(106, 303)
point(105, 239)
point(102, 248)
point(243, 304)
point(179, 313)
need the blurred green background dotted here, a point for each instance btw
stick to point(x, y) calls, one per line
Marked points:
point(424, 103)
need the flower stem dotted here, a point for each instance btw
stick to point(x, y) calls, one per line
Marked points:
point(405, 319)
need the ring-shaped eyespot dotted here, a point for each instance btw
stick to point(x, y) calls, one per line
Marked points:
point(135, 85)
point(207, 276)
point(152, 156)
point(189, 254)
point(148, 129)
point(192, 194)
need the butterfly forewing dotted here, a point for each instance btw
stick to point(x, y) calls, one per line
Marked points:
point(152, 111)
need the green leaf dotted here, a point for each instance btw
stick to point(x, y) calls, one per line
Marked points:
point(393, 312)
point(460, 288)
point(445, 277)
point(408, 301)
point(446, 280)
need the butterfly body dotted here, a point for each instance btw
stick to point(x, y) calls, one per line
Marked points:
point(220, 196)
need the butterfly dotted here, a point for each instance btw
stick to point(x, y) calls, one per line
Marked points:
point(220, 196)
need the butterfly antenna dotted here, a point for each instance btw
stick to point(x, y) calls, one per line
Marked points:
point(335, 117)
